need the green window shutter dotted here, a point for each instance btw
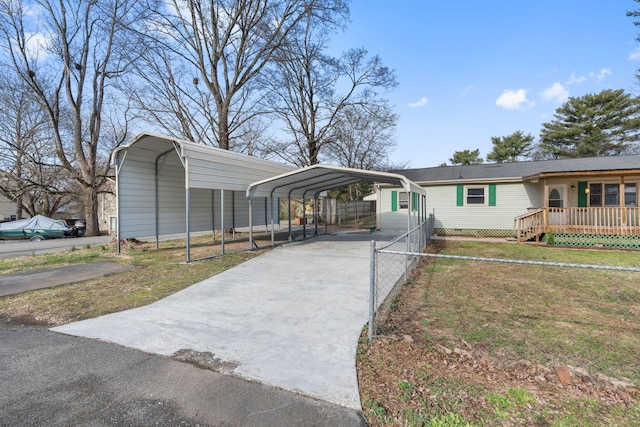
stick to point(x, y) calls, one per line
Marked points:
point(582, 194)
point(394, 201)
point(460, 196)
point(492, 194)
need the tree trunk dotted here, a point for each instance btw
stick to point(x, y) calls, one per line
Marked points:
point(90, 199)
point(223, 127)
point(19, 206)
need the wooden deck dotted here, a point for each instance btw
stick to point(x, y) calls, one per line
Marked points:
point(609, 221)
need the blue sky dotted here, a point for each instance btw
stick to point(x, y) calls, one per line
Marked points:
point(470, 70)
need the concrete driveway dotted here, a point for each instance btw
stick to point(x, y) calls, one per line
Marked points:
point(290, 318)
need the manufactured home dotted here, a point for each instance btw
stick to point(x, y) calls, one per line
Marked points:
point(581, 202)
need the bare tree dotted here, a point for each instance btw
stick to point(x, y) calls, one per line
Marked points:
point(207, 55)
point(309, 90)
point(29, 175)
point(363, 136)
point(81, 53)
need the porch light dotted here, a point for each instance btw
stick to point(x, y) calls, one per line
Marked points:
point(573, 188)
point(586, 190)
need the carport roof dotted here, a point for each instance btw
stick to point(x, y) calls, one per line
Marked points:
point(311, 180)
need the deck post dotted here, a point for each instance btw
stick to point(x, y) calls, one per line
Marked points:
point(623, 211)
point(546, 207)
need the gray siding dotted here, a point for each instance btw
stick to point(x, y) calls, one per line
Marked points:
point(210, 171)
point(136, 197)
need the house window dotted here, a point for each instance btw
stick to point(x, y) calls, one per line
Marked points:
point(475, 195)
point(595, 194)
point(555, 199)
point(403, 200)
point(609, 194)
point(630, 195)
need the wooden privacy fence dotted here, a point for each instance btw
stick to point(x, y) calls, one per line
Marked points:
point(339, 211)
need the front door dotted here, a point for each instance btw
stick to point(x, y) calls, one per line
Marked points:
point(556, 203)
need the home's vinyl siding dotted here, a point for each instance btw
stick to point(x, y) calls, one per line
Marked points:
point(391, 219)
point(511, 200)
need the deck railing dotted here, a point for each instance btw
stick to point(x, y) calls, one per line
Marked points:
point(617, 221)
point(529, 225)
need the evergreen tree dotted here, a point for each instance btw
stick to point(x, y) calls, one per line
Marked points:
point(466, 157)
point(601, 124)
point(510, 148)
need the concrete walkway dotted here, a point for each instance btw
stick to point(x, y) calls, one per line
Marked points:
point(15, 248)
point(290, 318)
point(11, 284)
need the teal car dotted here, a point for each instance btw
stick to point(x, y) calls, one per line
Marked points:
point(36, 229)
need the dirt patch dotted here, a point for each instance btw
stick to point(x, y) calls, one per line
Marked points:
point(23, 320)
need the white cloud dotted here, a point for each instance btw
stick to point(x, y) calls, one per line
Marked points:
point(467, 90)
point(601, 75)
point(36, 45)
point(575, 79)
point(555, 93)
point(419, 103)
point(512, 99)
point(635, 55)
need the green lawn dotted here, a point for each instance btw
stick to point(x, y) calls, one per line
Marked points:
point(485, 339)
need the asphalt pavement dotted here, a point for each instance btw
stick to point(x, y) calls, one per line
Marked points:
point(62, 380)
point(50, 379)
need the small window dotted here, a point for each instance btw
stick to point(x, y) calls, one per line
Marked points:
point(403, 200)
point(555, 199)
point(630, 195)
point(595, 194)
point(611, 195)
point(475, 195)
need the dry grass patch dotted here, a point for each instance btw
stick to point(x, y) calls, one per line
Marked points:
point(160, 273)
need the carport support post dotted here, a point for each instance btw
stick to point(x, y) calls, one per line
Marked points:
point(273, 236)
point(222, 219)
point(372, 288)
point(304, 220)
point(326, 215)
point(188, 225)
point(315, 215)
point(250, 223)
point(289, 215)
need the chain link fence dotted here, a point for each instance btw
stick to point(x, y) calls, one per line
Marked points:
point(390, 265)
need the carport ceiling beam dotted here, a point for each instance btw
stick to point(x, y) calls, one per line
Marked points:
point(313, 186)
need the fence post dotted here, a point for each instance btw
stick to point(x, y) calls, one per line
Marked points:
point(372, 288)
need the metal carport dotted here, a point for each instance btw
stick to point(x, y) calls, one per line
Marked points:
point(165, 185)
point(311, 181)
